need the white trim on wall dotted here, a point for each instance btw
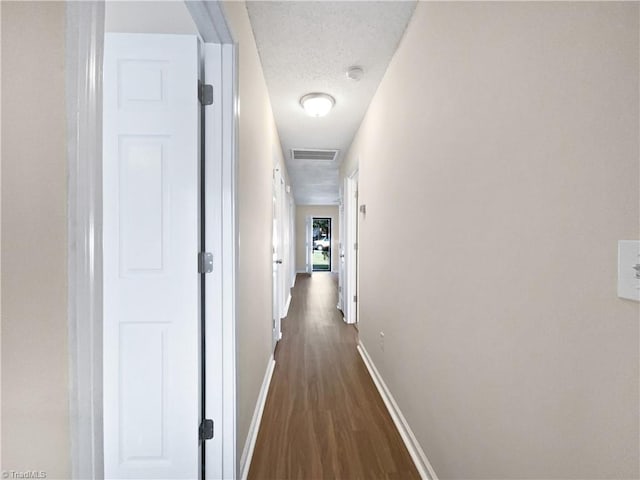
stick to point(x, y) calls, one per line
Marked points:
point(350, 284)
point(84, 53)
point(340, 249)
point(208, 17)
point(415, 450)
point(287, 305)
point(230, 248)
point(254, 428)
point(292, 240)
point(221, 240)
point(212, 26)
point(308, 235)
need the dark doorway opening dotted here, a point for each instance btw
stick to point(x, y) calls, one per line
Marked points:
point(321, 244)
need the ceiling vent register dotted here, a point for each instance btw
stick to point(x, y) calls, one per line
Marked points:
point(311, 154)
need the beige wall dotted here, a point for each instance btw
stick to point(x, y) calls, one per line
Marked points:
point(304, 211)
point(148, 17)
point(35, 400)
point(259, 151)
point(500, 157)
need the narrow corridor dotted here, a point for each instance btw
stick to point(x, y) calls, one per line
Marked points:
point(323, 416)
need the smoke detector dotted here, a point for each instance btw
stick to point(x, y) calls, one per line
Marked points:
point(355, 73)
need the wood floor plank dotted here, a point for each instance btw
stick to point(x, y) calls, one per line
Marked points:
point(324, 418)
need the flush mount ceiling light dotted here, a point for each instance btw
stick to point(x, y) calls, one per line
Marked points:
point(317, 104)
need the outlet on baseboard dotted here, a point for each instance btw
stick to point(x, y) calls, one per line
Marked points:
point(382, 341)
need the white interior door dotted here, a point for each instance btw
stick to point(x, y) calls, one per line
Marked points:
point(308, 229)
point(341, 254)
point(292, 241)
point(276, 234)
point(356, 252)
point(283, 248)
point(151, 240)
point(351, 250)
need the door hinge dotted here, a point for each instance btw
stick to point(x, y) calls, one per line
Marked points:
point(355, 246)
point(205, 262)
point(205, 93)
point(355, 298)
point(205, 432)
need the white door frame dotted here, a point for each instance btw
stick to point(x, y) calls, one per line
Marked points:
point(340, 260)
point(350, 308)
point(308, 244)
point(277, 255)
point(84, 57)
point(284, 247)
point(289, 259)
point(221, 240)
point(292, 243)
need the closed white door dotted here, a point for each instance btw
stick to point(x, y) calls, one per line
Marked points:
point(284, 246)
point(277, 251)
point(151, 240)
point(350, 303)
point(309, 245)
point(292, 242)
point(341, 255)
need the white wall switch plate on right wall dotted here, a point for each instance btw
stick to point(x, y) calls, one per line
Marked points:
point(629, 269)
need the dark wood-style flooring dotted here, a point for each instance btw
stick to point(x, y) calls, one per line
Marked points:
point(323, 416)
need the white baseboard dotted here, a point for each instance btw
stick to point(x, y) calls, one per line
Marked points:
point(287, 305)
point(415, 450)
point(247, 453)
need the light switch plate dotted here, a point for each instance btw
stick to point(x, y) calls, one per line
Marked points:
point(628, 258)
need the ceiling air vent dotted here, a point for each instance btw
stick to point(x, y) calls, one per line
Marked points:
point(312, 154)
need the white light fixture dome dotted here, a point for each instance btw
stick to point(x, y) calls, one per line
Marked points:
point(317, 104)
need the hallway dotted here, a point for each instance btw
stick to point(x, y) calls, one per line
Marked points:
point(323, 417)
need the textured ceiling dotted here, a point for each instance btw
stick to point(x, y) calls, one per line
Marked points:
point(308, 47)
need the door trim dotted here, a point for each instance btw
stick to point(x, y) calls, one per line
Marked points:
point(230, 117)
point(211, 23)
point(308, 229)
point(84, 58)
point(350, 308)
point(221, 239)
point(340, 252)
point(292, 242)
